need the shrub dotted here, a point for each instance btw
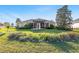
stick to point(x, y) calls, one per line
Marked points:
point(64, 28)
point(51, 27)
point(14, 36)
point(52, 38)
point(1, 33)
point(44, 37)
point(28, 26)
point(71, 36)
point(22, 37)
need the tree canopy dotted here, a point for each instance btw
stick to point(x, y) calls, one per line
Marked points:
point(63, 18)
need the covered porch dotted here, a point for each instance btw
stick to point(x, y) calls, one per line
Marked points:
point(40, 24)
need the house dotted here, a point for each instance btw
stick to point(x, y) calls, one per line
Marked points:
point(1, 25)
point(75, 23)
point(37, 23)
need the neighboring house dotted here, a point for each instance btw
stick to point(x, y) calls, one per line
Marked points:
point(37, 23)
point(1, 25)
point(75, 23)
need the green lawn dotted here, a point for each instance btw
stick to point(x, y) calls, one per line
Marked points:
point(42, 30)
point(16, 46)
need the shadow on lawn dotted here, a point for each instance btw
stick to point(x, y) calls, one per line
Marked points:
point(63, 47)
point(43, 30)
point(76, 41)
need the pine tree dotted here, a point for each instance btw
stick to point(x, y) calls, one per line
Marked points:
point(63, 18)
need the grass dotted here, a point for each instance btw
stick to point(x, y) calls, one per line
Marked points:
point(7, 46)
point(42, 30)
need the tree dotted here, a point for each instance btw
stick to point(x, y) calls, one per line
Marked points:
point(12, 24)
point(18, 21)
point(63, 18)
point(7, 24)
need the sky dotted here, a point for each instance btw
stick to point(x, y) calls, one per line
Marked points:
point(9, 13)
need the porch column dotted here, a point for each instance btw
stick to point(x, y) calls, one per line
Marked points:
point(44, 25)
point(39, 27)
point(49, 24)
point(33, 25)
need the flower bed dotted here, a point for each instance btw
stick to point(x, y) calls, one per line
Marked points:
point(44, 37)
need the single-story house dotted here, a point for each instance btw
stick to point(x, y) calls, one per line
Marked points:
point(75, 25)
point(42, 23)
point(1, 25)
point(37, 23)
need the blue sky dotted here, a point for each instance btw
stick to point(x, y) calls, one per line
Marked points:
point(9, 13)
